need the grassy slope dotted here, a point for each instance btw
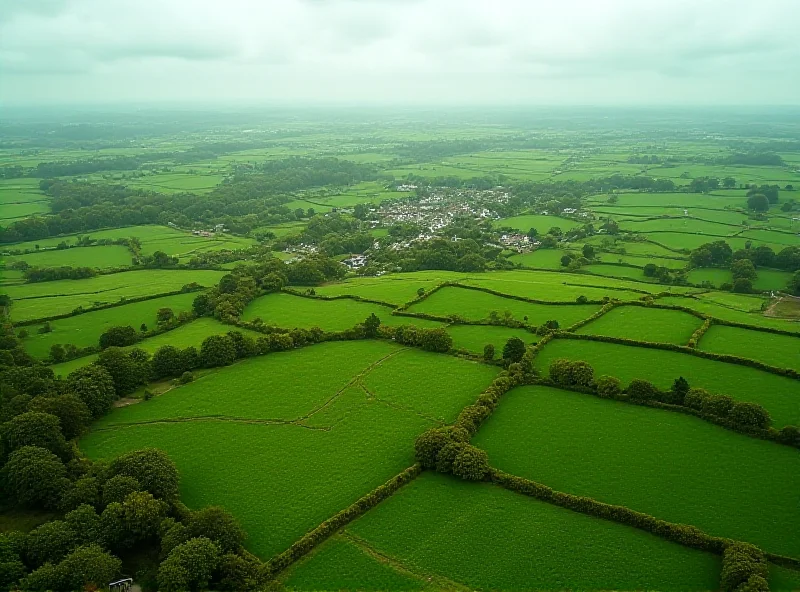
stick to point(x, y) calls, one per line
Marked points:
point(83, 330)
point(645, 324)
point(778, 394)
point(671, 466)
point(488, 538)
point(778, 350)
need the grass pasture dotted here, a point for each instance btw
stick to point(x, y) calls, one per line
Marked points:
point(777, 394)
point(297, 426)
point(474, 337)
point(702, 304)
point(85, 329)
point(645, 324)
point(100, 257)
point(541, 223)
point(482, 537)
point(782, 351)
point(676, 467)
point(476, 305)
point(46, 299)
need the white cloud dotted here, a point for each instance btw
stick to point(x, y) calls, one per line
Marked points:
point(425, 51)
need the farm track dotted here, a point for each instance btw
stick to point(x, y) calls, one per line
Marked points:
point(438, 581)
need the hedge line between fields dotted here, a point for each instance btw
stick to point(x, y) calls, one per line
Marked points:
point(339, 520)
point(188, 289)
point(787, 372)
point(683, 534)
point(356, 297)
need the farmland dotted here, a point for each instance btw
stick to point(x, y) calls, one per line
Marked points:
point(337, 331)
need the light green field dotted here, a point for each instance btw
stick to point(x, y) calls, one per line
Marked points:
point(777, 394)
point(715, 277)
point(486, 538)
point(541, 223)
point(642, 260)
point(730, 314)
point(16, 211)
point(782, 351)
point(771, 279)
point(100, 257)
point(477, 305)
point(306, 447)
point(85, 329)
point(540, 258)
point(397, 288)
point(46, 299)
point(474, 337)
point(645, 324)
point(289, 311)
point(617, 271)
point(683, 224)
point(675, 467)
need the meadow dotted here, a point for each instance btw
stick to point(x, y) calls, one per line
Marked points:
point(251, 423)
point(98, 257)
point(779, 395)
point(508, 541)
point(645, 324)
point(473, 338)
point(85, 329)
point(477, 305)
point(782, 351)
point(583, 444)
point(47, 299)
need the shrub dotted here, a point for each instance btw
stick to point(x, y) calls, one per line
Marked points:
point(471, 463)
point(568, 373)
point(680, 387)
point(719, 405)
point(471, 417)
point(608, 387)
point(436, 340)
point(790, 435)
point(696, 398)
point(750, 415)
point(740, 563)
point(118, 337)
point(186, 377)
point(641, 390)
point(447, 456)
point(429, 443)
point(488, 352)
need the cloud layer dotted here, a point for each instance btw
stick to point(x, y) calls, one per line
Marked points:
point(400, 51)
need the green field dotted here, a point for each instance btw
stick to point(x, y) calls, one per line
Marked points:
point(782, 351)
point(702, 304)
point(477, 305)
point(541, 223)
point(46, 299)
point(100, 257)
point(474, 337)
point(483, 537)
point(306, 448)
point(83, 330)
point(645, 324)
point(289, 311)
point(778, 394)
point(675, 467)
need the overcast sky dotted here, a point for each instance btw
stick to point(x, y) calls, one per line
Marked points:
point(400, 51)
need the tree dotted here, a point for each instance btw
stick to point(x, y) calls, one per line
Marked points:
point(189, 566)
point(588, 251)
point(566, 259)
point(758, 202)
point(642, 390)
point(49, 542)
point(118, 337)
point(513, 350)
point(72, 413)
point(371, 325)
point(430, 442)
point(89, 568)
point(742, 286)
point(127, 368)
point(143, 514)
point(57, 353)
point(740, 563)
point(488, 352)
point(11, 566)
point(35, 477)
point(94, 386)
point(164, 315)
point(85, 523)
point(153, 470)
point(794, 284)
point(217, 350)
point(679, 390)
point(218, 526)
point(436, 340)
point(743, 268)
point(719, 405)
point(118, 488)
point(167, 361)
point(650, 269)
point(566, 372)
point(35, 429)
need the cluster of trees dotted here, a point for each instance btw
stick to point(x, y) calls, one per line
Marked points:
point(435, 340)
point(466, 255)
point(447, 450)
point(714, 254)
point(744, 569)
point(49, 274)
point(759, 199)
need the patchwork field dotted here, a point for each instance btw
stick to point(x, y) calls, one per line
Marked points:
point(328, 429)
point(782, 351)
point(778, 394)
point(100, 257)
point(645, 324)
point(583, 444)
point(477, 305)
point(474, 337)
